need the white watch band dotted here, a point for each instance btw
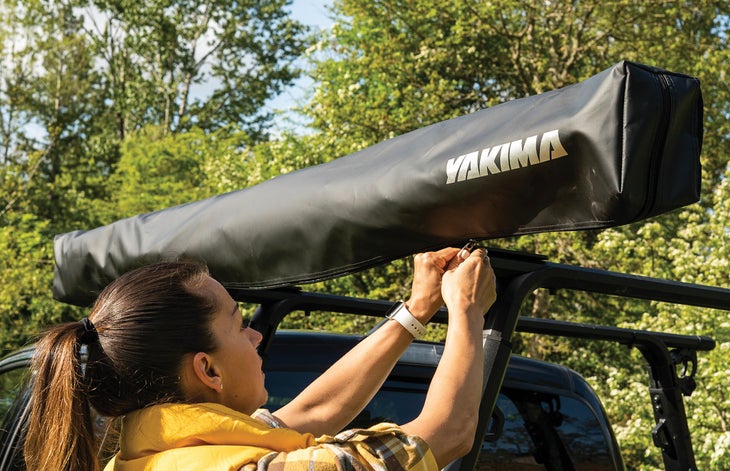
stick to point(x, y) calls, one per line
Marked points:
point(401, 315)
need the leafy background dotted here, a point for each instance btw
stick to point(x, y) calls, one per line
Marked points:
point(110, 108)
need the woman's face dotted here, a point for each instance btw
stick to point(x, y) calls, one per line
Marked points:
point(235, 361)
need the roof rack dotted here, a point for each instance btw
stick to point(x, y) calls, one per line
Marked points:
point(518, 275)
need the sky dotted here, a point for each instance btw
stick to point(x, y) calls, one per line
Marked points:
point(311, 12)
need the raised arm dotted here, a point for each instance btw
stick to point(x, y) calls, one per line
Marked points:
point(341, 392)
point(450, 413)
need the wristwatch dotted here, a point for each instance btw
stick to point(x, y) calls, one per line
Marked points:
point(402, 315)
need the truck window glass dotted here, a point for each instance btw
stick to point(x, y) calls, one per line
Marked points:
point(11, 383)
point(13, 398)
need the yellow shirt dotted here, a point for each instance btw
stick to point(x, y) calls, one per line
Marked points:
point(207, 436)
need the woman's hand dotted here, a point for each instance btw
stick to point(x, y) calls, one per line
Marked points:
point(428, 270)
point(469, 283)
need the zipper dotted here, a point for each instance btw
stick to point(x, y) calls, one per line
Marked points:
point(659, 143)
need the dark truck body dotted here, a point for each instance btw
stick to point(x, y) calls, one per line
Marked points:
point(546, 417)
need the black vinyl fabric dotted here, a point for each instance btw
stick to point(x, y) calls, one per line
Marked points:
point(621, 146)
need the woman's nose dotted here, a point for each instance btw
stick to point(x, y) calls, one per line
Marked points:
point(255, 336)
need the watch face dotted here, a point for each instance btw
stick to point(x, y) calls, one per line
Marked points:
point(394, 309)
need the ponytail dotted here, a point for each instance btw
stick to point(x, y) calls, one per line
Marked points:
point(60, 430)
point(144, 324)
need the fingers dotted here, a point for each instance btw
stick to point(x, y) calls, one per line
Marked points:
point(470, 262)
point(471, 283)
point(446, 253)
point(428, 269)
point(445, 259)
point(462, 277)
point(461, 255)
point(438, 259)
point(482, 254)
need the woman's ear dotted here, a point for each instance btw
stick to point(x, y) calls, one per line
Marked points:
point(206, 373)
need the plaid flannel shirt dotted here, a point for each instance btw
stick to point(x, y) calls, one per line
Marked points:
point(383, 447)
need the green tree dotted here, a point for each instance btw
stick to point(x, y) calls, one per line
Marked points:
point(208, 64)
point(26, 273)
point(393, 66)
point(698, 252)
point(47, 97)
point(92, 94)
point(78, 76)
point(157, 169)
point(12, 118)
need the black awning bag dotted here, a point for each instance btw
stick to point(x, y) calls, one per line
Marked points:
point(621, 146)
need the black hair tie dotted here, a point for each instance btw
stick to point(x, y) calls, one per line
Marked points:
point(90, 334)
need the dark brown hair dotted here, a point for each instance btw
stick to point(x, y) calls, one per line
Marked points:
point(145, 322)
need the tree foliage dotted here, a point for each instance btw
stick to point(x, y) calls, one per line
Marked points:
point(202, 63)
point(108, 108)
point(78, 76)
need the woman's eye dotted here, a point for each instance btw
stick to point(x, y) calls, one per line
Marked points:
point(245, 323)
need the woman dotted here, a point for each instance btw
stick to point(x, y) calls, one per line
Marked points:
point(168, 352)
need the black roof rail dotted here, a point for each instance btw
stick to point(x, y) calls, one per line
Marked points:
point(509, 264)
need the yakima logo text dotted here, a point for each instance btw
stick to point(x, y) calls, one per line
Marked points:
point(510, 156)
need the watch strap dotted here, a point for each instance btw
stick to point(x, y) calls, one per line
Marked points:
point(403, 316)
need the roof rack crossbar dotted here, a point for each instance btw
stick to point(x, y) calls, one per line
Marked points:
point(561, 276)
point(557, 276)
point(309, 301)
point(629, 337)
